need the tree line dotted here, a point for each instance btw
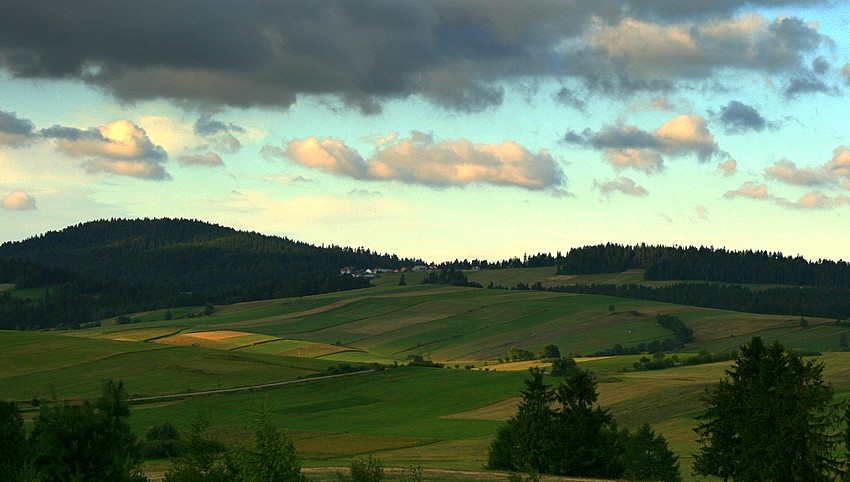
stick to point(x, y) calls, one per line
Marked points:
point(705, 264)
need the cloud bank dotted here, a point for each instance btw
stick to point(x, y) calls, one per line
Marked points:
point(422, 160)
point(457, 54)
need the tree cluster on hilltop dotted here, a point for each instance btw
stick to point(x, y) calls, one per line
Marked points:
point(187, 255)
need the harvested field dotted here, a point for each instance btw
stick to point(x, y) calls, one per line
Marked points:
point(217, 335)
point(221, 343)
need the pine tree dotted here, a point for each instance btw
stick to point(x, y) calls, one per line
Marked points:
point(768, 420)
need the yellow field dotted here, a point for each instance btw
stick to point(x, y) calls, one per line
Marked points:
point(221, 339)
point(217, 335)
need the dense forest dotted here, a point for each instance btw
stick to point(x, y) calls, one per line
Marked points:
point(705, 264)
point(812, 301)
point(111, 267)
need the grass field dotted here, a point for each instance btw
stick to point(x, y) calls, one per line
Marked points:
point(438, 418)
point(41, 364)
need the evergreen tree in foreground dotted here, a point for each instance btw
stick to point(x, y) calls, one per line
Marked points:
point(561, 431)
point(768, 420)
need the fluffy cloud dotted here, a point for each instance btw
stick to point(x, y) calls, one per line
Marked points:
point(738, 118)
point(120, 147)
point(18, 201)
point(622, 185)
point(329, 155)
point(749, 189)
point(210, 159)
point(788, 173)
point(814, 201)
point(728, 168)
point(422, 160)
point(13, 130)
point(627, 146)
point(830, 174)
point(456, 53)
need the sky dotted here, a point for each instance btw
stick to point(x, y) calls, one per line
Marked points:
point(441, 129)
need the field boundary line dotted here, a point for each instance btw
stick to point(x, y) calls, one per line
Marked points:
point(158, 398)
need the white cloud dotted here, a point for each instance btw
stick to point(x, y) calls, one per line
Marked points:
point(131, 168)
point(627, 146)
point(830, 174)
point(421, 160)
point(120, 147)
point(749, 189)
point(18, 201)
point(622, 185)
point(332, 156)
point(788, 173)
point(728, 168)
point(643, 160)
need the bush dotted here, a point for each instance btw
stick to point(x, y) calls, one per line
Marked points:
point(161, 441)
point(368, 470)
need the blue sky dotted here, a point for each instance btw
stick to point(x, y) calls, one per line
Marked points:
point(441, 129)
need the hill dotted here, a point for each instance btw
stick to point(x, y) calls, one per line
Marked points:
point(110, 267)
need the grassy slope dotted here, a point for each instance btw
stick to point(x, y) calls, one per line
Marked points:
point(455, 324)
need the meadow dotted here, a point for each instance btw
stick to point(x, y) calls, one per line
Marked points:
point(439, 418)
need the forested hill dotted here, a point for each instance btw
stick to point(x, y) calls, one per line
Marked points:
point(111, 267)
point(187, 255)
point(707, 264)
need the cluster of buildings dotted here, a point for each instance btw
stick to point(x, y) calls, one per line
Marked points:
point(371, 272)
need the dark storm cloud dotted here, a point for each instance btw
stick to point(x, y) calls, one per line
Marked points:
point(12, 125)
point(671, 10)
point(805, 84)
point(738, 118)
point(455, 53)
point(71, 133)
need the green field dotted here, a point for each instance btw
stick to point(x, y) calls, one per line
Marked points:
point(406, 416)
